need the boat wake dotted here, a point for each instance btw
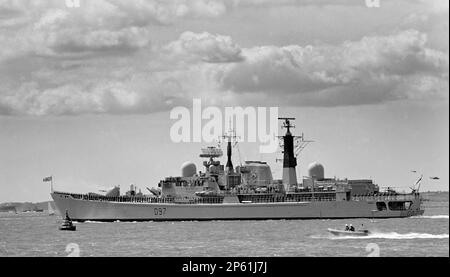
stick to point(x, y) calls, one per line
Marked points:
point(441, 216)
point(393, 235)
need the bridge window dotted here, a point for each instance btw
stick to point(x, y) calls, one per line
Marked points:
point(381, 206)
point(398, 206)
point(407, 205)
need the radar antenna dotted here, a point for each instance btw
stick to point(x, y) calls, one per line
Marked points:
point(232, 141)
point(299, 141)
point(300, 144)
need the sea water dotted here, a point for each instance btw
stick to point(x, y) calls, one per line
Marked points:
point(37, 234)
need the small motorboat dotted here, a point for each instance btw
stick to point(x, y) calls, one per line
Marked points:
point(67, 225)
point(356, 233)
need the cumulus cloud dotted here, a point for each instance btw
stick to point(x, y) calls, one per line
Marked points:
point(105, 57)
point(58, 32)
point(372, 70)
point(84, 97)
point(48, 27)
point(355, 72)
point(205, 47)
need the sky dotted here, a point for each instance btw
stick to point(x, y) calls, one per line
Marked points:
point(86, 92)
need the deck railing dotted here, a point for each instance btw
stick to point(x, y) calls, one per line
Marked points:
point(244, 198)
point(392, 197)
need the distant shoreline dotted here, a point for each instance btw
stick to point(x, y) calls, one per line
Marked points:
point(24, 206)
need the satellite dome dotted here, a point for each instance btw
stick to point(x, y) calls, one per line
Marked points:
point(188, 169)
point(316, 170)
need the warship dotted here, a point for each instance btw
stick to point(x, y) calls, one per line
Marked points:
point(244, 192)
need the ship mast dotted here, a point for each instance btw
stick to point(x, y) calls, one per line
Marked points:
point(230, 136)
point(289, 158)
point(232, 178)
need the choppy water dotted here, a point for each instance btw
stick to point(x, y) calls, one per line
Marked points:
point(38, 235)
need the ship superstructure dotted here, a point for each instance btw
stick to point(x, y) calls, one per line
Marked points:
point(247, 191)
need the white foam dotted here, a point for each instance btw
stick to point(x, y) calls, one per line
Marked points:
point(441, 216)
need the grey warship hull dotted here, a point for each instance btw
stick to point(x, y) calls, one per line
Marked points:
point(81, 208)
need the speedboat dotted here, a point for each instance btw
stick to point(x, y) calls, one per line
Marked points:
point(67, 226)
point(356, 233)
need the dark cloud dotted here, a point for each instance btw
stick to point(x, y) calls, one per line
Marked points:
point(100, 59)
point(361, 72)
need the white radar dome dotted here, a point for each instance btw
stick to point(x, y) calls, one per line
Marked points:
point(316, 170)
point(188, 169)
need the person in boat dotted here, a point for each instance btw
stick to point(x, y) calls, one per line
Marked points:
point(352, 229)
point(68, 218)
point(347, 228)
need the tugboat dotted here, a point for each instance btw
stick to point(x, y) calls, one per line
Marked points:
point(67, 224)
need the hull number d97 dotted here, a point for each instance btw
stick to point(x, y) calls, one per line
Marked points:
point(160, 211)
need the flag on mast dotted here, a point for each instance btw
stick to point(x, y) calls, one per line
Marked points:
point(49, 179)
